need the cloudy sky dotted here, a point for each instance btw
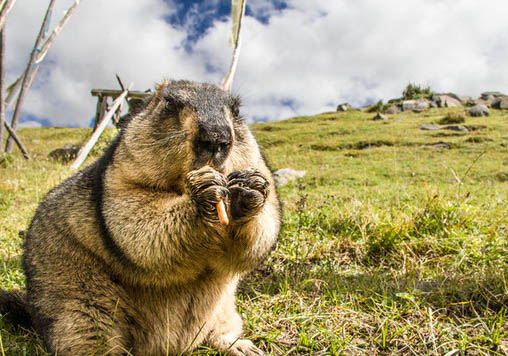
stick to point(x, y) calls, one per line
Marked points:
point(298, 57)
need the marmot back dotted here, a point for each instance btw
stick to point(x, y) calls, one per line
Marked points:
point(129, 255)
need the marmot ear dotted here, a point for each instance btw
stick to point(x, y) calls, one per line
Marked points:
point(159, 92)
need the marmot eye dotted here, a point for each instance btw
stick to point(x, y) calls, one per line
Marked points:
point(171, 106)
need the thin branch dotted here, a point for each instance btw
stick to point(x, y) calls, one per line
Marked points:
point(6, 8)
point(237, 17)
point(83, 152)
point(16, 139)
point(14, 87)
point(26, 78)
point(120, 82)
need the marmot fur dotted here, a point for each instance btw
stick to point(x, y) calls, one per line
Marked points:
point(129, 256)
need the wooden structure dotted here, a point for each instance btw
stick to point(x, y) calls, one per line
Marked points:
point(83, 152)
point(102, 103)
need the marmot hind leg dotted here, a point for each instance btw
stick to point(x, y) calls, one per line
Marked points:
point(87, 330)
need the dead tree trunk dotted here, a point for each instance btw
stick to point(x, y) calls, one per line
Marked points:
point(26, 77)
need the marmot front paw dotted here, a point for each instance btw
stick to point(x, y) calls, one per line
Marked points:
point(206, 187)
point(248, 190)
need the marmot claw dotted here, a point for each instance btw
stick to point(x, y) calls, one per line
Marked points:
point(206, 187)
point(248, 190)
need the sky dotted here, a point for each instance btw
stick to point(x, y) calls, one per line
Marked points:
point(298, 57)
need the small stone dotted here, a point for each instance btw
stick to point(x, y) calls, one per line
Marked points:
point(430, 127)
point(65, 154)
point(439, 145)
point(393, 109)
point(343, 107)
point(479, 110)
point(284, 175)
point(459, 128)
point(380, 116)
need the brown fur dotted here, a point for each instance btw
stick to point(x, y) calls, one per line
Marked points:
point(128, 255)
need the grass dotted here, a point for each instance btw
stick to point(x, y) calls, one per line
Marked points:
point(390, 246)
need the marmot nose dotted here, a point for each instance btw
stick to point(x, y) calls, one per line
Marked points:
point(214, 140)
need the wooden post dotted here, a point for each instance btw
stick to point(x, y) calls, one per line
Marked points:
point(7, 7)
point(27, 76)
point(14, 87)
point(102, 107)
point(118, 114)
point(83, 152)
point(2, 83)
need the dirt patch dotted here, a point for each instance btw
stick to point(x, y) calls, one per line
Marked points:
point(502, 177)
point(363, 145)
point(478, 139)
point(324, 147)
point(475, 127)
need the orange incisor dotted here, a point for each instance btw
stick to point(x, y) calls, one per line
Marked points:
point(221, 211)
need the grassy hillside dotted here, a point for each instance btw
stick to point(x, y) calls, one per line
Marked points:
point(390, 245)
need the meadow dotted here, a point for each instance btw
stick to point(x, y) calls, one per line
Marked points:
point(394, 243)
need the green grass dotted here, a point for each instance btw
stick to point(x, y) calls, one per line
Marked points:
point(390, 246)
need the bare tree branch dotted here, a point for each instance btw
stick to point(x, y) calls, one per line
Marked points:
point(14, 87)
point(4, 11)
point(237, 13)
point(26, 77)
point(16, 139)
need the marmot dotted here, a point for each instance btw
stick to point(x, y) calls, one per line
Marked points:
point(129, 256)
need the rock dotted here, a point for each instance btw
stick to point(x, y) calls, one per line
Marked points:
point(380, 116)
point(393, 109)
point(343, 107)
point(501, 103)
point(284, 175)
point(422, 105)
point(488, 94)
point(479, 110)
point(408, 105)
point(65, 154)
point(462, 98)
point(430, 127)
point(418, 105)
point(439, 145)
point(490, 100)
point(446, 101)
point(459, 128)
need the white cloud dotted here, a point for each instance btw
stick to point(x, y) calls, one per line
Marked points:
point(30, 124)
point(312, 55)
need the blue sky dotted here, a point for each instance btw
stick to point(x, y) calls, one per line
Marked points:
point(298, 57)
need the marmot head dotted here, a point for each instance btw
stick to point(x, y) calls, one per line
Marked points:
point(184, 126)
